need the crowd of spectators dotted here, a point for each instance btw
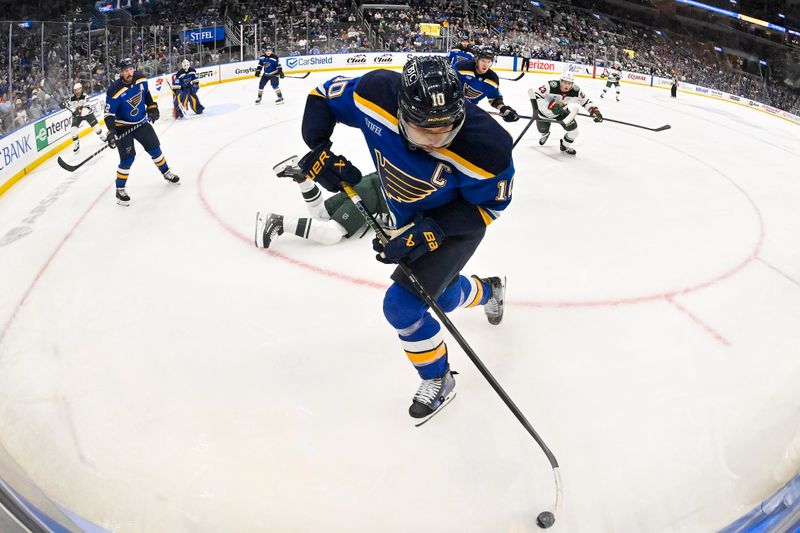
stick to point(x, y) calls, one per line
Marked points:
point(45, 62)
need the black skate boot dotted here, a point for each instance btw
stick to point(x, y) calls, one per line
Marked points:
point(76, 146)
point(171, 177)
point(495, 306)
point(268, 227)
point(288, 169)
point(543, 138)
point(565, 148)
point(279, 100)
point(123, 198)
point(432, 394)
point(258, 100)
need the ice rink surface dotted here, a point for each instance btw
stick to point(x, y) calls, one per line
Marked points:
point(159, 373)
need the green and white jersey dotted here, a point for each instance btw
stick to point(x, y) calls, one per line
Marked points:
point(613, 75)
point(549, 96)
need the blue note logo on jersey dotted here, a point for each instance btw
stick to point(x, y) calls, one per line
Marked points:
point(401, 186)
point(471, 92)
point(134, 103)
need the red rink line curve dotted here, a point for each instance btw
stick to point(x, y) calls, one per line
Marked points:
point(524, 303)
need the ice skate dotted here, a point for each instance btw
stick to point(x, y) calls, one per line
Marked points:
point(76, 146)
point(122, 197)
point(432, 394)
point(279, 100)
point(268, 227)
point(567, 149)
point(171, 177)
point(258, 100)
point(288, 169)
point(496, 304)
point(543, 138)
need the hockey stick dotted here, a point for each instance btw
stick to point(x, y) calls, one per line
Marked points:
point(531, 120)
point(72, 168)
point(546, 518)
point(545, 119)
point(512, 79)
point(660, 128)
point(304, 76)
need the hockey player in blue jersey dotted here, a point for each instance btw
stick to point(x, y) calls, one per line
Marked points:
point(185, 85)
point(269, 70)
point(460, 52)
point(480, 82)
point(129, 105)
point(446, 172)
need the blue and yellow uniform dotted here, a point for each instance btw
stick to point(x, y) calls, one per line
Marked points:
point(129, 105)
point(269, 69)
point(479, 86)
point(459, 53)
point(185, 85)
point(465, 186)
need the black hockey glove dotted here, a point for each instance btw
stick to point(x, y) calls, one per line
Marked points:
point(508, 114)
point(152, 112)
point(411, 242)
point(111, 139)
point(258, 72)
point(280, 73)
point(328, 169)
point(596, 115)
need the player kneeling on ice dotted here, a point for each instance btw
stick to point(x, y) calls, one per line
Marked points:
point(185, 85)
point(130, 110)
point(552, 101)
point(272, 71)
point(80, 113)
point(331, 220)
point(445, 171)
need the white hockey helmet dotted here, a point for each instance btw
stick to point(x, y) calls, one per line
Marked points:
point(77, 87)
point(568, 77)
point(186, 64)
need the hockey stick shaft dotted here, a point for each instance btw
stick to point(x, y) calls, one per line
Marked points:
point(512, 79)
point(304, 76)
point(72, 168)
point(431, 302)
point(545, 119)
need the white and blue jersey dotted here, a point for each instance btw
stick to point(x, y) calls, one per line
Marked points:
point(479, 86)
point(476, 167)
point(127, 103)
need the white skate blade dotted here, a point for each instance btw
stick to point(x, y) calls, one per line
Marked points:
point(290, 162)
point(446, 401)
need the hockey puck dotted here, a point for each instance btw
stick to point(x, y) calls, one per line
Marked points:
point(545, 520)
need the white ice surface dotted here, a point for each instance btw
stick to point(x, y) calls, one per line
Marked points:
point(160, 373)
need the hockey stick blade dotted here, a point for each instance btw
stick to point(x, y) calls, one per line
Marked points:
point(513, 79)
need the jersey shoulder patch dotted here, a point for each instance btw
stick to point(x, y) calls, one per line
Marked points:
point(492, 75)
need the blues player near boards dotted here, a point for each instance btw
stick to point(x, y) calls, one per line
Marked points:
point(446, 173)
point(129, 105)
point(480, 82)
point(269, 70)
point(185, 85)
point(460, 52)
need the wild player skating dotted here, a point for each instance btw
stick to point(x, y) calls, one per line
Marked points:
point(129, 111)
point(552, 104)
point(332, 220)
point(446, 172)
point(185, 86)
point(269, 70)
point(81, 112)
point(612, 75)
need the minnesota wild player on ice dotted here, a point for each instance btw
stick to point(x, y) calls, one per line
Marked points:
point(612, 75)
